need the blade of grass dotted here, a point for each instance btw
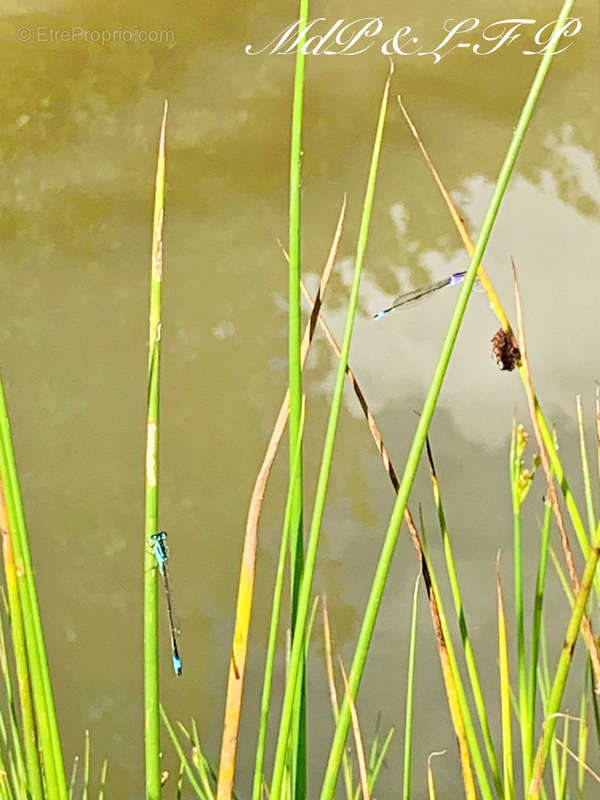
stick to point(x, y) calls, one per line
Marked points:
point(587, 768)
point(347, 767)
point(200, 761)
point(564, 763)
point(468, 745)
point(507, 746)
point(298, 712)
point(563, 667)
point(304, 596)
point(73, 776)
point(454, 684)
point(410, 684)
point(86, 766)
point(358, 740)
point(503, 319)
point(564, 581)
point(537, 621)
point(374, 772)
point(462, 622)
point(205, 793)
point(239, 650)
point(32, 781)
point(274, 624)
point(588, 633)
point(585, 468)
point(37, 660)
point(596, 709)
point(517, 449)
point(582, 739)
point(430, 780)
point(151, 664)
point(103, 775)
point(413, 459)
point(544, 685)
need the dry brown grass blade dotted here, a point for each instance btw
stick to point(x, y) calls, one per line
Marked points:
point(329, 661)
point(497, 306)
point(237, 668)
point(458, 221)
point(576, 758)
point(430, 780)
point(588, 633)
point(448, 675)
point(360, 747)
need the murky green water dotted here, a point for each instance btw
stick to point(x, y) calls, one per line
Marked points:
point(77, 143)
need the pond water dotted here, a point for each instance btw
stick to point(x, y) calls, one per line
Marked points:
point(78, 140)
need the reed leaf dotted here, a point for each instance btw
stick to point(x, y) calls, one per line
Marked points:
point(151, 660)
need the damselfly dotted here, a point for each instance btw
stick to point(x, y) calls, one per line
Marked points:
point(416, 294)
point(161, 552)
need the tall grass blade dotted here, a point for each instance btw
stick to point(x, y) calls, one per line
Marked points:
point(562, 786)
point(378, 763)
point(86, 766)
point(274, 623)
point(410, 695)
point(595, 708)
point(19, 770)
point(430, 780)
point(585, 468)
point(537, 622)
point(304, 596)
point(73, 777)
point(298, 712)
point(507, 745)
point(358, 740)
point(346, 765)
point(239, 648)
point(517, 449)
point(504, 322)
point(29, 647)
point(462, 623)
point(468, 746)
point(582, 740)
point(564, 663)
point(588, 633)
point(151, 663)
point(200, 761)
point(204, 792)
point(382, 571)
point(103, 775)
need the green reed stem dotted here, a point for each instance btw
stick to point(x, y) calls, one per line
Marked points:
point(274, 624)
point(537, 624)
point(463, 627)
point(410, 693)
point(151, 663)
point(298, 737)
point(470, 733)
point(383, 567)
point(33, 780)
point(203, 795)
point(564, 663)
point(36, 671)
point(516, 464)
point(585, 468)
point(296, 657)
